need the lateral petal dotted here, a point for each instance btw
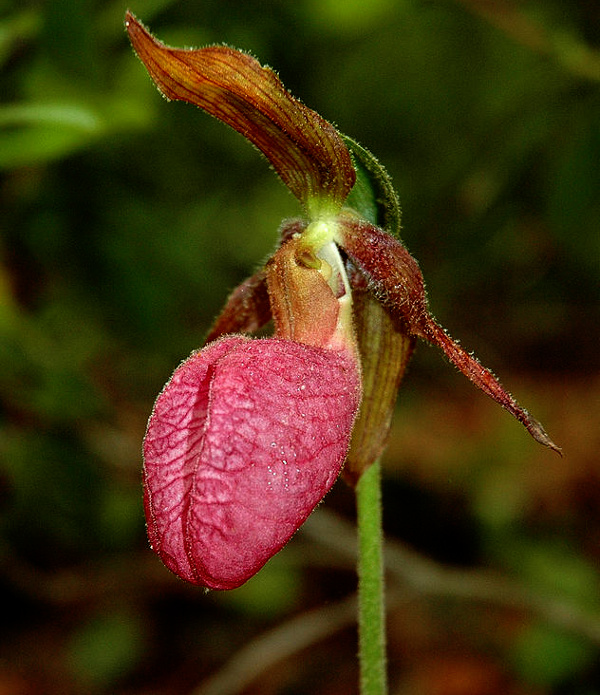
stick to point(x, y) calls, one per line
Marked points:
point(395, 279)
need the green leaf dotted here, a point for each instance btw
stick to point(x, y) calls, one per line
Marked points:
point(62, 115)
point(546, 657)
point(16, 29)
point(373, 194)
point(33, 133)
point(106, 648)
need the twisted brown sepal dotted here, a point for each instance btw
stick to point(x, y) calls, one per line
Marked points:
point(395, 279)
point(305, 150)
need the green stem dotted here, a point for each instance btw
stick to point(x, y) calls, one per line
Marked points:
point(371, 600)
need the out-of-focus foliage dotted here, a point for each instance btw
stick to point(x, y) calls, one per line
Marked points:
point(124, 222)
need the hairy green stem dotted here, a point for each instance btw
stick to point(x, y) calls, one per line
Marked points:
point(371, 596)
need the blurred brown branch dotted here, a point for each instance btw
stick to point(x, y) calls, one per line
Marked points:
point(413, 575)
point(278, 644)
point(422, 576)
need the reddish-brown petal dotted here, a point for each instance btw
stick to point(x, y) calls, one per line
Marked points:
point(485, 380)
point(395, 279)
point(305, 150)
point(247, 308)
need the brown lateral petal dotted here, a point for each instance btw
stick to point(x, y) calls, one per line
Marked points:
point(247, 309)
point(395, 279)
point(485, 380)
point(305, 150)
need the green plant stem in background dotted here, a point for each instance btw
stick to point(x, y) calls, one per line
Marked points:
point(371, 594)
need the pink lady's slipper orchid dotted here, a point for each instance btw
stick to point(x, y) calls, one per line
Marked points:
point(249, 434)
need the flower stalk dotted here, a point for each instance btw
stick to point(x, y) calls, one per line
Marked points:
point(371, 584)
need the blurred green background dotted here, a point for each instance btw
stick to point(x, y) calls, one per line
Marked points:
point(124, 223)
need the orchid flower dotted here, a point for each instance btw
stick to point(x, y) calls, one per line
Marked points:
point(249, 434)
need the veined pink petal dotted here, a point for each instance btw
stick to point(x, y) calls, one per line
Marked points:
point(176, 425)
point(304, 149)
point(244, 441)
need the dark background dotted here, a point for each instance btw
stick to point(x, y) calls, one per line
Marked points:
point(124, 223)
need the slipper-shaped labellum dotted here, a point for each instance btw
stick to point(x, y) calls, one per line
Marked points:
point(244, 441)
